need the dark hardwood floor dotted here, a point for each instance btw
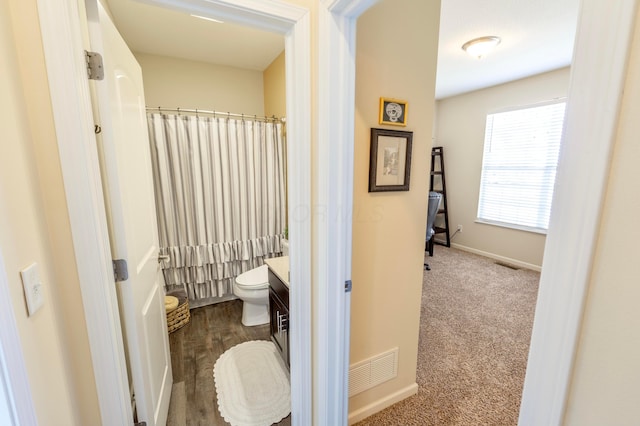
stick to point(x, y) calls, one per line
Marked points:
point(194, 351)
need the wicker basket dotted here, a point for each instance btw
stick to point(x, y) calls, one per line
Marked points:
point(180, 316)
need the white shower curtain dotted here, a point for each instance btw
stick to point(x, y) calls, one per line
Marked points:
point(220, 188)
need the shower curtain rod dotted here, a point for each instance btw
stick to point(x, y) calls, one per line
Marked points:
point(218, 113)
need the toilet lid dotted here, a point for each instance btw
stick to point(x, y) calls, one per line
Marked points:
point(256, 279)
point(252, 286)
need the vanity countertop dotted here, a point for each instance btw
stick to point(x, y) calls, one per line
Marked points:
point(280, 267)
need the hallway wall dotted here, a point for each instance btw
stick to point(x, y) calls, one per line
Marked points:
point(34, 227)
point(389, 228)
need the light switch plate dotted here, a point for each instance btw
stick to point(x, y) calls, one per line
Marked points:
point(32, 288)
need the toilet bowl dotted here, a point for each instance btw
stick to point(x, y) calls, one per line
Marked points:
point(253, 288)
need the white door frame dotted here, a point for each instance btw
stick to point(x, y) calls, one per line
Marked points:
point(333, 207)
point(597, 80)
point(63, 44)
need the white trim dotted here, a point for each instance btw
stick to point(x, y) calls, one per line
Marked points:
point(333, 159)
point(268, 15)
point(15, 382)
point(350, 9)
point(382, 403)
point(64, 56)
point(510, 226)
point(595, 92)
point(7, 406)
point(298, 93)
point(505, 259)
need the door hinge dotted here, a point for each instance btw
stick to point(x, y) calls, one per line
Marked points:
point(120, 270)
point(95, 68)
point(347, 286)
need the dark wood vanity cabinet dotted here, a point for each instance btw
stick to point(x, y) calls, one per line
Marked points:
point(279, 312)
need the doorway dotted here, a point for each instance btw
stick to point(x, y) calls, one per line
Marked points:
point(220, 194)
point(79, 159)
point(188, 105)
point(67, 73)
point(516, 248)
point(562, 287)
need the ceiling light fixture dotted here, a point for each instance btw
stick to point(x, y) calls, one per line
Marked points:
point(208, 19)
point(478, 47)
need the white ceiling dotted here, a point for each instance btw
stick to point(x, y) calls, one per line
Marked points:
point(164, 32)
point(537, 36)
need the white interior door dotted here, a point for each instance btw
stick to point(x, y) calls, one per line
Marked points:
point(128, 187)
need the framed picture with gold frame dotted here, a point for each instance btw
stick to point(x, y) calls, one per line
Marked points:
point(393, 112)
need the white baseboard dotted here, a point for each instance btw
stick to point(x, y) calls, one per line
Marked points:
point(383, 403)
point(509, 260)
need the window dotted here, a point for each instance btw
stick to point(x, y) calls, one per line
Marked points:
point(521, 149)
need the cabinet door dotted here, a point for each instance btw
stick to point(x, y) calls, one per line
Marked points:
point(279, 325)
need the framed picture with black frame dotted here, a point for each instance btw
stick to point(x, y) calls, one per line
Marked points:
point(390, 160)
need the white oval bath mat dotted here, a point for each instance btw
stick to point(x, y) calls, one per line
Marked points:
point(252, 384)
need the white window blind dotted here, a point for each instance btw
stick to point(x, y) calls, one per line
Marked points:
point(519, 166)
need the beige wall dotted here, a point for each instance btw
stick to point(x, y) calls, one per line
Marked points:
point(34, 227)
point(389, 228)
point(172, 82)
point(460, 129)
point(275, 93)
point(606, 375)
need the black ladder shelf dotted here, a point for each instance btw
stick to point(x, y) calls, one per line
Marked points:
point(437, 169)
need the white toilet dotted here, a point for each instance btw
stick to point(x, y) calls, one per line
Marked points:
point(253, 288)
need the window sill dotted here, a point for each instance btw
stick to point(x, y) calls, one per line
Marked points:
point(512, 226)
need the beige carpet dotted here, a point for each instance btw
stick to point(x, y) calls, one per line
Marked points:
point(474, 338)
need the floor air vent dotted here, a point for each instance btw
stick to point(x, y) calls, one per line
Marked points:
point(507, 265)
point(373, 371)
